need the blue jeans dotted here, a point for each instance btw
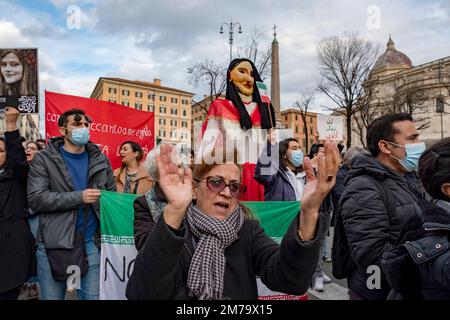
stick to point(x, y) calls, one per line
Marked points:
point(56, 290)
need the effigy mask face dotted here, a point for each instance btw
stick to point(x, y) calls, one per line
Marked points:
point(242, 78)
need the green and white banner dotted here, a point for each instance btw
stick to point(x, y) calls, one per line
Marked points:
point(118, 251)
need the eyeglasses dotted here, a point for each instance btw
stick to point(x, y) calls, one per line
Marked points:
point(218, 184)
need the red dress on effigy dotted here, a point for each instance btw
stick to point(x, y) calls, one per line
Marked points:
point(224, 117)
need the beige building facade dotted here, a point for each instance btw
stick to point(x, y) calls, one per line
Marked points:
point(292, 118)
point(171, 107)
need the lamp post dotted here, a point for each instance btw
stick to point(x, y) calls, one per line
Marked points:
point(231, 26)
point(440, 109)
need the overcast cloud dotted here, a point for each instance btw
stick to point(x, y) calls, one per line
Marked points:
point(161, 38)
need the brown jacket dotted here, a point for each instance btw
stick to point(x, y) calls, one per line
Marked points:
point(145, 181)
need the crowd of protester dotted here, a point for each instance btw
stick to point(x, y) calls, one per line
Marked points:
point(389, 205)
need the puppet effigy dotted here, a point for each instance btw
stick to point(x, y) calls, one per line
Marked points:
point(241, 119)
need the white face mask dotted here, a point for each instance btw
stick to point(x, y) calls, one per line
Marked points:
point(413, 152)
point(79, 136)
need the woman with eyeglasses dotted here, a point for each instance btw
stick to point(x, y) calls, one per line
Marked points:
point(206, 246)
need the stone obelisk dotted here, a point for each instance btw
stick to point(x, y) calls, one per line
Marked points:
point(275, 77)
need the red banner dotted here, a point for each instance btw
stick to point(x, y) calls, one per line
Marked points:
point(112, 123)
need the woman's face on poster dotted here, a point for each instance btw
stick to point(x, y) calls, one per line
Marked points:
point(242, 77)
point(12, 68)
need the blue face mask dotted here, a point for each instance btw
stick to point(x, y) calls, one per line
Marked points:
point(413, 152)
point(296, 158)
point(80, 136)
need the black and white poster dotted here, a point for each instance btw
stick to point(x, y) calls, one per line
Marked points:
point(19, 79)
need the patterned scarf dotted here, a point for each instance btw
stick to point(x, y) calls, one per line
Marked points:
point(207, 270)
point(156, 201)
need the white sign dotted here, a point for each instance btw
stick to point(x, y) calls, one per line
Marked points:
point(330, 127)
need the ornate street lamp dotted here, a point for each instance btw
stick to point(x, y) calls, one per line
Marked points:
point(231, 26)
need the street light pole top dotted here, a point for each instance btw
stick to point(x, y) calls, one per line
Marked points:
point(230, 26)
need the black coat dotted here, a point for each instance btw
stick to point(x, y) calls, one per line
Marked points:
point(17, 254)
point(420, 268)
point(270, 174)
point(369, 230)
point(161, 266)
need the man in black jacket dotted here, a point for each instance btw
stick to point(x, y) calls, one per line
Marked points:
point(373, 218)
point(64, 186)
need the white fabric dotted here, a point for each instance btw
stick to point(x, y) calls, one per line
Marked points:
point(298, 182)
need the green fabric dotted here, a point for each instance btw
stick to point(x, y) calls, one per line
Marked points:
point(274, 216)
point(117, 213)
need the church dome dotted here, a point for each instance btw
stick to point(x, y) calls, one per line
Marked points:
point(392, 59)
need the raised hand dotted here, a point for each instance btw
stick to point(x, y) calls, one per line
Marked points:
point(11, 116)
point(317, 187)
point(176, 185)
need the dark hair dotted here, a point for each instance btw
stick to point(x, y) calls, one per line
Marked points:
point(136, 148)
point(27, 85)
point(35, 143)
point(39, 141)
point(62, 121)
point(382, 128)
point(282, 151)
point(434, 168)
point(232, 94)
point(315, 149)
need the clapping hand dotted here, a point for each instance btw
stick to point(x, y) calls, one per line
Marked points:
point(176, 185)
point(317, 187)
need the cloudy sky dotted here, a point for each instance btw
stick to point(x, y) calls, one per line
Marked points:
point(144, 40)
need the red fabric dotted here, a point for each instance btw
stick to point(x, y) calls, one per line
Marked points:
point(224, 109)
point(255, 191)
point(111, 125)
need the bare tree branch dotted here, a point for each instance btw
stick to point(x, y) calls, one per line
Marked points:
point(209, 74)
point(303, 104)
point(345, 62)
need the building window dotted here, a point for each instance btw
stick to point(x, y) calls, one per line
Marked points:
point(173, 123)
point(174, 100)
point(184, 101)
point(310, 120)
point(162, 98)
point(285, 118)
point(125, 92)
point(296, 117)
point(151, 108)
point(138, 94)
point(151, 96)
point(126, 103)
point(310, 130)
point(184, 124)
point(162, 121)
point(112, 100)
point(162, 109)
point(296, 129)
point(112, 90)
point(184, 113)
point(138, 106)
point(174, 111)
